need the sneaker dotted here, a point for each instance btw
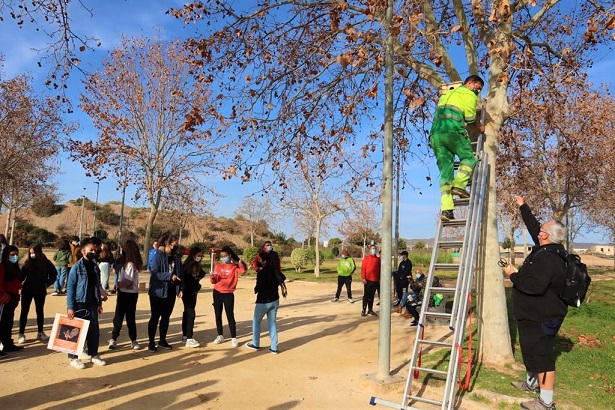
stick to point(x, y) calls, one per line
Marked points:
point(42, 337)
point(98, 361)
point(350, 300)
point(112, 344)
point(446, 216)
point(537, 404)
point(461, 193)
point(335, 300)
point(371, 312)
point(184, 339)
point(21, 338)
point(55, 293)
point(192, 343)
point(11, 348)
point(164, 345)
point(274, 351)
point(414, 323)
point(522, 385)
point(252, 347)
point(152, 348)
point(77, 364)
point(134, 345)
point(234, 342)
point(363, 313)
point(219, 339)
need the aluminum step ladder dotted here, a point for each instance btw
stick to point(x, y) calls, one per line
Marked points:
point(426, 336)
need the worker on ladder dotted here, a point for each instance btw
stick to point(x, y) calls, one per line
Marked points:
point(453, 119)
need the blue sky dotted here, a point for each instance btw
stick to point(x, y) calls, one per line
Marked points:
point(111, 18)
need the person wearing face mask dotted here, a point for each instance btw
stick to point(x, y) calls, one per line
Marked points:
point(129, 264)
point(345, 269)
point(192, 272)
point(165, 276)
point(224, 277)
point(36, 275)
point(454, 118)
point(370, 275)
point(10, 286)
point(84, 300)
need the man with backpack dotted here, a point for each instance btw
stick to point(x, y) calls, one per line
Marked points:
point(538, 309)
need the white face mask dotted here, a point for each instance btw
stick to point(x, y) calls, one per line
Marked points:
point(198, 258)
point(225, 259)
point(32, 255)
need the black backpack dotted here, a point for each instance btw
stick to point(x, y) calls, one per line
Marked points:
point(577, 280)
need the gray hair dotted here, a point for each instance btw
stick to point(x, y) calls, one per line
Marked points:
point(557, 232)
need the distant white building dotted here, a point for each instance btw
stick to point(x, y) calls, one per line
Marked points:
point(608, 250)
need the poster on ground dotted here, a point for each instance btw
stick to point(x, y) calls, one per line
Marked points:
point(68, 335)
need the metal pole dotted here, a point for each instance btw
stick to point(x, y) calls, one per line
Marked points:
point(95, 207)
point(397, 188)
point(384, 335)
point(81, 217)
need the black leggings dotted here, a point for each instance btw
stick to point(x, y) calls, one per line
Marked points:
point(39, 304)
point(189, 299)
point(126, 305)
point(226, 300)
point(161, 311)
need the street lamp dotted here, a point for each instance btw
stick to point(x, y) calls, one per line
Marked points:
point(95, 207)
point(81, 217)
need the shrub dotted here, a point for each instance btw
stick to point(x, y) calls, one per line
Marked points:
point(335, 251)
point(45, 205)
point(249, 253)
point(102, 234)
point(299, 258)
point(107, 216)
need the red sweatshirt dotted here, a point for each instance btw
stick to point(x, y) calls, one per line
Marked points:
point(370, 269)
point(226, 275)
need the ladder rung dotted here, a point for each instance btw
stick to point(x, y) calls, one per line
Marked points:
point(436, 342)
point(437, 314)
point(427, 370)
point(454, 222)
point(425, 400)
point(461, 201)
point(446, 266)
point(445, 290)
point(450, 244)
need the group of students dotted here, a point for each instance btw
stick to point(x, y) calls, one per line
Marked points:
point(170, 278)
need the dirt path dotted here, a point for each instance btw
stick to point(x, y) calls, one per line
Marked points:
point(327, 349)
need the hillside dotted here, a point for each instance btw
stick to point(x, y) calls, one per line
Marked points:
point(196, 228)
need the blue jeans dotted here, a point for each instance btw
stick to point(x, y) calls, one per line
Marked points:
point(260, 310)
point(89, 312)
point(60, 283)
point(104, 274)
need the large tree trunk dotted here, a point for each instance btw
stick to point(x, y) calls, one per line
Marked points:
point(153, 211)
point(317, 249)
point(495, 343)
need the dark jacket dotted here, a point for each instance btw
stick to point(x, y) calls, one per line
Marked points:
point(267, 279)
point(403, 271)
point(36, 276)
point(539, 279)
point(190, 279)
point(162, 268)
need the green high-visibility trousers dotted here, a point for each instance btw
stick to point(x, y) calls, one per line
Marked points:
point(446, 146)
